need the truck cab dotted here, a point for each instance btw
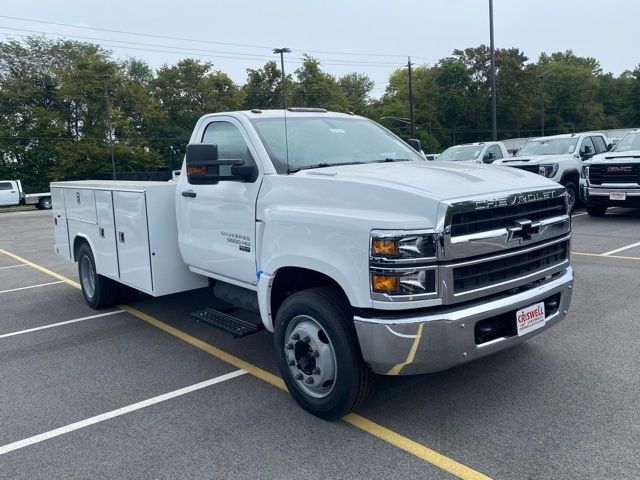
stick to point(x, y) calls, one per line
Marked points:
point(479, 152)
point(361, 257)
point(9, 193)
point(559, 157)
point(612, 178)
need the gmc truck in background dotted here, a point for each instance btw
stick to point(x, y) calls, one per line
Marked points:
point(559, 157)
point(612, 178)
point(326, 229)
point(479, 152)
point(11, 193)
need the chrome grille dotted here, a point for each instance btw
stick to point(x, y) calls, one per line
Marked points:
point(504, 269)
point(477, 221)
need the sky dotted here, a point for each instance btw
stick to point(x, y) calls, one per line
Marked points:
point(372, 37)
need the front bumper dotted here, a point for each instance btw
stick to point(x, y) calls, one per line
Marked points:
point(409, 344)
point(600, 196)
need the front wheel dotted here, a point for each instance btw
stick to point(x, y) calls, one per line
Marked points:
point(596, 210)
point(318, 353)
point(572, 193)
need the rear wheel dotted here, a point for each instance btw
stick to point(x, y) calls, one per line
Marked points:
point(572, 193)
point(45, 203)
point(99, 291)
point(596, 210)
point(318, 353)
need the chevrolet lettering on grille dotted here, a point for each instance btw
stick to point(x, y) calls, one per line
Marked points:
point(514, 200)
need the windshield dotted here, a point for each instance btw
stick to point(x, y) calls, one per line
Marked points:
point(460, 154)
point(329, 141)
point(550, 146)
point(631, 141)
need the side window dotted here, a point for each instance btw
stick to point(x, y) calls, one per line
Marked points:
point(587, 142)
point(599, 143)
point(229, 140)
point(6, 186)
point(497, 153)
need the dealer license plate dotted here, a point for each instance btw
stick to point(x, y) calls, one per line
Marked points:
point(530, 318)
point(617, 195)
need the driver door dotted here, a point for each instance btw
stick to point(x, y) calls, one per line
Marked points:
point(9, 194)
point(217, 222)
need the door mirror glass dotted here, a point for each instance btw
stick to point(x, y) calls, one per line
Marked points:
point(204, 166)
point(415, 144)
point(488, 157)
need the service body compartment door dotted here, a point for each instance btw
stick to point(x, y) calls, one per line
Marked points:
point(60, 231)
point(132, 239)
point(105, 244)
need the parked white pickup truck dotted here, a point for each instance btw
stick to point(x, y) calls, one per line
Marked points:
point(479, 152)
point(360, 256)
point(11, 193)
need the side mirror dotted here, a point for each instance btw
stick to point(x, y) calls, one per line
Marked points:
point(203, 165)
point(415, 144)
point(587, 153)
point(488, 157)
point(609, 146)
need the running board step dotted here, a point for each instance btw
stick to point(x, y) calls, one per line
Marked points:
point(233, 325)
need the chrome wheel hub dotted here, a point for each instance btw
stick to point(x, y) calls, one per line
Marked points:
point(310, 356)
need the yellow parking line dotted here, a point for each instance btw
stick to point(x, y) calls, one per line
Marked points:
point(602, 255)
point(389, 436)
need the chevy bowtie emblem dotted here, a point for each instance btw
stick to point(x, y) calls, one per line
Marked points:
point(524, 229)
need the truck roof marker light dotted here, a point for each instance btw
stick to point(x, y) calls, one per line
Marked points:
point(256, 110)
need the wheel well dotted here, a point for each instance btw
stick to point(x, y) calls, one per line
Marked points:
point(573, 177)
point(289, 280)
point(77, 243)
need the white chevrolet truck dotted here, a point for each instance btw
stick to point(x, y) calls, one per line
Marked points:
point(332, 233)
point(612, 178)
point(12, 193)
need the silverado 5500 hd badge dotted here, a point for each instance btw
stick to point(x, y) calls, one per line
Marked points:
point(243, 241)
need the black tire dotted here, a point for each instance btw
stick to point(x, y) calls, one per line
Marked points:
point(596, 210)
point(99, 291)
point(572, 192)
point(45, 203)
point(352, 381)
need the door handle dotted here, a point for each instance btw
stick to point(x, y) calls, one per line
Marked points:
point(189, 193)
point(13, 191)
point(121, 237)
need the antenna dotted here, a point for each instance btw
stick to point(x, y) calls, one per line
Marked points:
point(282, 51)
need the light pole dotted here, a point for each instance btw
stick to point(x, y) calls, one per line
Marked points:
point(282, 51)
point(109, 127)
point(409, 65)
point(494, 120)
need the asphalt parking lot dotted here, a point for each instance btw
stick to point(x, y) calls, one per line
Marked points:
point(145, 392)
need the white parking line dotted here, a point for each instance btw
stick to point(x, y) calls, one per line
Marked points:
point(14, 266)
point(116, 413)
point(32, 286)
point(621, 249)
point(67, 322)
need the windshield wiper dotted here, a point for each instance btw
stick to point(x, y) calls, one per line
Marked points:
point(393, 160)
point(322, 165)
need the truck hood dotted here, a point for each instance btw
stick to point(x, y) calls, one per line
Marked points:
point(615, 157)
point(438, 180)
point(533, 159)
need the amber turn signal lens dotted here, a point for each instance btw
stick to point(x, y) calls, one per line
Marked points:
point(197, 170)
point(380, 246)
point(385, 283)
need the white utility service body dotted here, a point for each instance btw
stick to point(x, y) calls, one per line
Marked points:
point(399, 264)
point(131, 229)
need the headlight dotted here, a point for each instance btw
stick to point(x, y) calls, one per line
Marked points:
point(585, 171)
point(399, 246)
point(403, 265)
point(548, 170)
